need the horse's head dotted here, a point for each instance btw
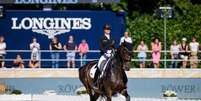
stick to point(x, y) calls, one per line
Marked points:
point(125, 53)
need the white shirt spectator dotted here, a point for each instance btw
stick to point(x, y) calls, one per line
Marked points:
point(142, 51)
point(3, 48)
point(126, 39)
point(174, 49)
point(35, 47)
point(194, 46)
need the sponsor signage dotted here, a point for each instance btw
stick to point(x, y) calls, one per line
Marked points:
point(55, 1)
point(51, 26)
point(137, 87)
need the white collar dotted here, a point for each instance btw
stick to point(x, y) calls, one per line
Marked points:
point(107, 35)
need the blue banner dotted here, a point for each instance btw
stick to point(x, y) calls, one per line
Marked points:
point(19, 27)
point(55, 1)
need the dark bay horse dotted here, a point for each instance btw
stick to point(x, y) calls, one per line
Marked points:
point(114, 79)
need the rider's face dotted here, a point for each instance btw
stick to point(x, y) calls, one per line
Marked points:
point(107, 31)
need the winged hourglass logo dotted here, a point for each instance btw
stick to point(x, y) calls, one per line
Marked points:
point(50, 33)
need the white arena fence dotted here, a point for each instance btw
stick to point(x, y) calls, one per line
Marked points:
point(78, 98)
point(77, 59)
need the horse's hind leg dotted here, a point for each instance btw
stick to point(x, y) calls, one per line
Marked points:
point(125, 93)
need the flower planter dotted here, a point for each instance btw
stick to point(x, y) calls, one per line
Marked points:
point(171, 98)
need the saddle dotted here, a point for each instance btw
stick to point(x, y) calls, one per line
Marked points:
point(95, 69)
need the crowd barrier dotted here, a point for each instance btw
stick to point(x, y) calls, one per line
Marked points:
point(45, 60)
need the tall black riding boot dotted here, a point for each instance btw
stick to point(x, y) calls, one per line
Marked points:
point(95, 81)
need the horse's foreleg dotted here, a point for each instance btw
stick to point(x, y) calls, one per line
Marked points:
point(125, 93)
point(96, 96)
point(93, 96)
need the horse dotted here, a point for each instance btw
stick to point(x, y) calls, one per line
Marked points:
point(115, 78)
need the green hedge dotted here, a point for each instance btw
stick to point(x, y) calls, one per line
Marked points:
point(146, 24)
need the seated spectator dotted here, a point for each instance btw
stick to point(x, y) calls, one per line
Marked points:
point(194, 48)
point(142, 48)
point(174, 51)
point(2, 51)
point(18, 62)
point(83, 49)
point(183, 48)
point(34, 63)
point(70, 48)
point(156, 49)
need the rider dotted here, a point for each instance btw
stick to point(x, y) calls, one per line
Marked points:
point(107, 52)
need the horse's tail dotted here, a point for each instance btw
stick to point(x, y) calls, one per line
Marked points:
point(82, 73)
point(83, 70)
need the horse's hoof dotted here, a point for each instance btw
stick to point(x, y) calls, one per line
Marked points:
point(128, 98)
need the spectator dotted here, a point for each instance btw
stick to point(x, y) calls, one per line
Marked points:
point(34, 63)
point(142, 48)
point(18, 62)
point(2, 51)
point(70, 48)
point(35, 47)
point(183, 48)
point(55, 46)
point(174, 51)
point(127, 40)
point(83, 49)
point(156, 48)
point(194, 48)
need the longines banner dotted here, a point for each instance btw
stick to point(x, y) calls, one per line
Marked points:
point(152, 87)
point(19, 27)
point(51, 26)
point(55, 1)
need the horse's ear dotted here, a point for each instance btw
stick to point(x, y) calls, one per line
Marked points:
point(123, 43)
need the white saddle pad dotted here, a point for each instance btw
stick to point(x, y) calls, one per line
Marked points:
point(93, 71)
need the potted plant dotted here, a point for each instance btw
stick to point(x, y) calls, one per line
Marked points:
point(169, 94)
point(16, 92)
point(81, 91)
